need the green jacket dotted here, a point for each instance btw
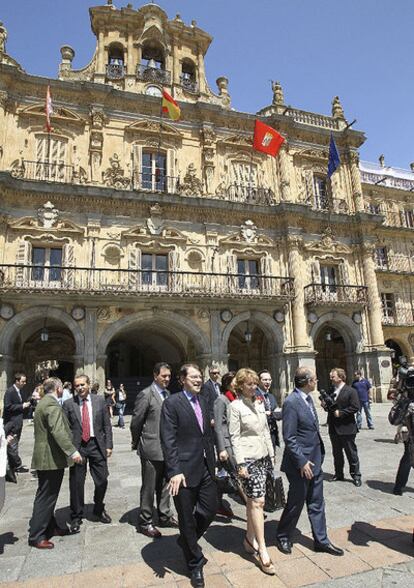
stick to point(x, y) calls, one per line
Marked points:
point(52, 437)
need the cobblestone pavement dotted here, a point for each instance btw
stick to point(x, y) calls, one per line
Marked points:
point(370, 523)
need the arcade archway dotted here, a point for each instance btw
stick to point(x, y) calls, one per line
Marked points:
point(331, 352)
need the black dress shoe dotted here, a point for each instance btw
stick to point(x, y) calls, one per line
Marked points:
point(197, 578)
point(150, 531)
point(11, 476)
point(396, 491)
point(74, 526)
point(22, 470)
point(103, 517)
point(328, 548)
point(357, 482)
point(284, 545)
point(337, 478)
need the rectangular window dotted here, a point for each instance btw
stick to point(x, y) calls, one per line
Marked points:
point(154, 171)
point(321, 194)
point(248, 274)
point(155, 270)
point(381, 257)
point(409, 218)
point(329, 278)
point(244, 174)
point(374, 208)
point(50, 162)
point(388, 308)
point(47, 262)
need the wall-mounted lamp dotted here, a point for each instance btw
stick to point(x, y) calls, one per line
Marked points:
point(328, 336)
point(44, 335)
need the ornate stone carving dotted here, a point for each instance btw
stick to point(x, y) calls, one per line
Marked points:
point(191, 184)
point(47, 215)
point(114, 175)
point(278, 97)
point(248, 231)
point(18, 169)
point(155, 222)
point(3, 38)
point(327, 243)
point(337, 110)
point(97, 116)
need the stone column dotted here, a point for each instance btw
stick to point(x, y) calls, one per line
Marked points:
point(374, 301)
point(6, 369)
point(201, 72)
point(100, 371)
point(79, 366)
point(100, 69)
point(175, 65)
point(130, 61)
point(353, 160)
point(91, 327)
point(217, 356)
point(297, 271)
point(284, 163)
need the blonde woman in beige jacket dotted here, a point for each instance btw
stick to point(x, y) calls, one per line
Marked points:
point(254, 454)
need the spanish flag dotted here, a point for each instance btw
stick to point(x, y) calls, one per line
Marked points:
point(170, 106)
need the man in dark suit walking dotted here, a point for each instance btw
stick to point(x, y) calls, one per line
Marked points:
point(92, 435)
point(188, 447)
point(53, 448)
point(342, 426)
point(273, 413)
point(210, 390)
point(302, 463)
point(14, 408)
point(145, 431)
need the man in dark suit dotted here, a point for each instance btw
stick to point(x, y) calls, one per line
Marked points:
point(302, 463)
point(53, 448)
point(210, 390)
point(188, 446)
point(342, 426)
point(92, 435)
point(273, 413)
point(145, 431)
point(14, 408)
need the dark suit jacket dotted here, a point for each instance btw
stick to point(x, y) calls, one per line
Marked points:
point(145, 424)
point(348, 405)
point(183, 443)
point(13, 408)
point(303, 442)
point(101, 422)
point(208, 392)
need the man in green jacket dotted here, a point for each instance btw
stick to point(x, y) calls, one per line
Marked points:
point(53, 448)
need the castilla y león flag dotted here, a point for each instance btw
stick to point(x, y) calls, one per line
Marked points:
point(266, 139)
point(170, 106)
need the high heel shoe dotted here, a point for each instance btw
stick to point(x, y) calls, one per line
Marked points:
point(267, 568)
point(249, 548)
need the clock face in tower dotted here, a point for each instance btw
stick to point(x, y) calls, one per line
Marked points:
point(153, 91)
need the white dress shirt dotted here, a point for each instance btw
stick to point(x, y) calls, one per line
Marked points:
point(89, 401)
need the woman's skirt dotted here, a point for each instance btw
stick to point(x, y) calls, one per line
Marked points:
point(255, 485)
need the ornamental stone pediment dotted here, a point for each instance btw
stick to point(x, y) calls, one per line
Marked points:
point(327, 244)
point(59, 114)
point(144, 235)
point(313, 154)
point(151, 127)
point(36, 225)
point(236, 140)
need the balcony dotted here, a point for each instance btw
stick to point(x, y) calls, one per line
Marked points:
point(400, 317)
point(31, 279)
point(154, 75)
point(247, 194)
point(334, 294)
point(43, 171)
point(398, 264)
point(189, 84)
point(380, 177)
point(115, 71)
point(158, 182)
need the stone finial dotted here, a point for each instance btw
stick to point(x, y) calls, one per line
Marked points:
point(412, 166)
point(3, 38)
point(178, 18)
point(278, 97)
point(67, 54)
point(381, 160)
point(337, 110)
point(193, 23)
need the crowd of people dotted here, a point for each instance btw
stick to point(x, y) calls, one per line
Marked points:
point(226, 427)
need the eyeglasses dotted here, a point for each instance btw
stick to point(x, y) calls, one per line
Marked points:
point(215, 373)
point(194, 378)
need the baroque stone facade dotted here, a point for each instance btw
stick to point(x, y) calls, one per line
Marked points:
point(130, 239)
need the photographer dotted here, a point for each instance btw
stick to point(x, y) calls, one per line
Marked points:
point(402, 415)
point(342, 406)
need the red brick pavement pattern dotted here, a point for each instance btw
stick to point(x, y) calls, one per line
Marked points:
point(367, 546)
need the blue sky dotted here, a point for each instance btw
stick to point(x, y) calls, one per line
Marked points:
point(362, 50)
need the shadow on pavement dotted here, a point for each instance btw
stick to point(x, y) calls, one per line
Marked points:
point(130, 517)
point(386, 487)
point(7, 539)
point(362, 533)
point(154, 555)
point(385, 441)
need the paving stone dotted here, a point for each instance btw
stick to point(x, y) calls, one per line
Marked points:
point(337, 567)
point(253, 577)
point(10, 567)
point(292, 574)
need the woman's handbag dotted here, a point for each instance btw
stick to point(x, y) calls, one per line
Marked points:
point(275, 493)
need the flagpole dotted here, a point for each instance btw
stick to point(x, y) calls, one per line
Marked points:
point(159, 141)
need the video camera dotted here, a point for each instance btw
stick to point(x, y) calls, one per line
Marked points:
point(406, 377)
point(327, 401)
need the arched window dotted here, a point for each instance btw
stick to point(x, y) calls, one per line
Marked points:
point(152, 67)
point(188, 75)
point(115, 67)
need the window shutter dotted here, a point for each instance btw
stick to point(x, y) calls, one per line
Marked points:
point(137, 165)
point(173, 265)
point(171, 171)
point(343, 274)
point(231, 280)
point(265, 280)
point(134, 267)
point(23, 259)
point(316, 272)
point(68, 262)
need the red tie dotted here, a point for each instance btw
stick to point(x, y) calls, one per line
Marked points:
point(86, 428)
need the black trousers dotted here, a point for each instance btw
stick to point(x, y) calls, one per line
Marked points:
point(341, 444)
point(98, 468)
point(403, 469)
point(196, 508)
point(153, 482)
point(43, 522)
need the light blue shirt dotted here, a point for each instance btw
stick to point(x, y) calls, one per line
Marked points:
point(161, 391)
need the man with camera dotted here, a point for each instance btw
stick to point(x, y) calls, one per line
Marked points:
point(342, 405)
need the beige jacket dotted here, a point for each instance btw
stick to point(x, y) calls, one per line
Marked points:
point(249, 431)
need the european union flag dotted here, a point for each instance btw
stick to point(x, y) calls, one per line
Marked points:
point(334, 159)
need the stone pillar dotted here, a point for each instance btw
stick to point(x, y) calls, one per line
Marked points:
point(91, 327)
point(297, 271)
point(100, 371)
point(100, 67)
point(284, 163)
point(175, 65)
point(130, 56)
point(353, 160)
point(201, 72)
point(79, 366)
point(374, 301)
point(6, 376)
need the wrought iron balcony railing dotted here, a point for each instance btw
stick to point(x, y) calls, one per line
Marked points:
point(44, 171)
point(155, 75)
point(386, 179)
point(157, 182)
point(395, 263)
point(400, 317)
point(247, 194)
point(335, 294)
point(115, 71)
point(188, 84)
point(111, 282)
